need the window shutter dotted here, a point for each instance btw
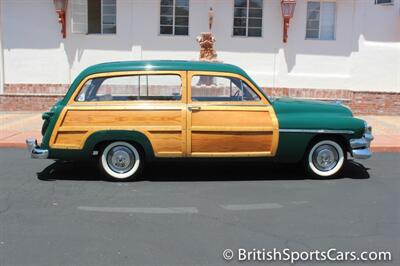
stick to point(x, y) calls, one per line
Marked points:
point(79, 18)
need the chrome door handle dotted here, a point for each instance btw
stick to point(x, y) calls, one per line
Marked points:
point(194, 108)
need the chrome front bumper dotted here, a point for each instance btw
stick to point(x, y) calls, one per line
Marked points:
point(360, 148)
point(35, 151)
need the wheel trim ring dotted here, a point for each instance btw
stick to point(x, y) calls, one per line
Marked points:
point(119, 154)
point(109, 171)
point(319, 155)
point(337, 166)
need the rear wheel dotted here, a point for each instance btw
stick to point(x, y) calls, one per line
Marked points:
point(121, 161)
point(325, 159)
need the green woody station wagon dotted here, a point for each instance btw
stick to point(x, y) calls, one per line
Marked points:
point(122, 114)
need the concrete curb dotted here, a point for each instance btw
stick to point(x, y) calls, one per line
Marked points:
point(384, 149)
point(12, 145)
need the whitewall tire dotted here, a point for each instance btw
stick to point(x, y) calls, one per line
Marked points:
point(121, 161)
point(325, 159)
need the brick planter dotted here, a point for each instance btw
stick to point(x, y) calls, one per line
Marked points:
point(361, 102)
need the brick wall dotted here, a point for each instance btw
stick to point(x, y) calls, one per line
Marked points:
point(31, 97)
point(20, 102)
point(40, 97)
point(36, 88)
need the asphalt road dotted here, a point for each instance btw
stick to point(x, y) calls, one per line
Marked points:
point(54, 213)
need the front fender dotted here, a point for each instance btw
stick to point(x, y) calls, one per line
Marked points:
point(324, 122)
point(293, 143)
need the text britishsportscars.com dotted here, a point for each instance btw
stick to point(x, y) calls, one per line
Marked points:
point(291, 256)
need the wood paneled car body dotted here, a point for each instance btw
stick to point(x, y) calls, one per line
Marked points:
point(124, 113)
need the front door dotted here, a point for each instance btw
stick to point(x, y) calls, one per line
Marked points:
point(228, 117)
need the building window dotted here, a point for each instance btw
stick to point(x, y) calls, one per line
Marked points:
point(321, 17)
point(174, 17)
point(247, 18)
point(383, 2)
point(102, 16)
point(94, 16)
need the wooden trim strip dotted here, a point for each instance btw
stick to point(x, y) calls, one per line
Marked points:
point(140, 128)
point(227, 107)
point(125, 107)
point(169, 154)
point(226, 104)
point(66, 146)
point(232, 129)
point(231, 154)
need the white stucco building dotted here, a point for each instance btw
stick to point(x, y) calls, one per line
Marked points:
point(350, 45)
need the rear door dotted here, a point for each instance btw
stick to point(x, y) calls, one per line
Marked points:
point(228, 117)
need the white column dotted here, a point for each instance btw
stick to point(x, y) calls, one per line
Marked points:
point(1, 53)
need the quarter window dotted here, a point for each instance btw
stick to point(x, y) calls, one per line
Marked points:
point(247, 18)
point(321, 18)
point(174, 17)
point(221, 89)
point(132, 88)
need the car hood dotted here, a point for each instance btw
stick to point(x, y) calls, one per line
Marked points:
point(287, 105)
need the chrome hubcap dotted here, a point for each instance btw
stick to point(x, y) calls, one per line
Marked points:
point(325, 157)
point(120, 159)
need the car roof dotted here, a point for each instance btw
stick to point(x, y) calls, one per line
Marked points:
point(180, 65)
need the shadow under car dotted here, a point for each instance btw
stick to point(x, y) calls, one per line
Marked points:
point(198, 170)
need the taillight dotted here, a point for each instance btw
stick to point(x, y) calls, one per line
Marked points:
point(46, 117)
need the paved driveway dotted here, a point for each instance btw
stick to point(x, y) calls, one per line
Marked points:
point(188, 213)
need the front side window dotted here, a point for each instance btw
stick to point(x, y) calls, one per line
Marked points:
point(94, 16)
point(321, 18)
point(221, 89)
point(174, 17)
point(247, 18)
point(132, 88)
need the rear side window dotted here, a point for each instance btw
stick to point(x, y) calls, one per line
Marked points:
point(221, 89)
point(132, 88)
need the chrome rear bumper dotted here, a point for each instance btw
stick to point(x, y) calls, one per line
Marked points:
point(35, 151)
point(360, 148)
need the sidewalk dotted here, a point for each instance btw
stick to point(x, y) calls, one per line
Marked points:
point(15, 127)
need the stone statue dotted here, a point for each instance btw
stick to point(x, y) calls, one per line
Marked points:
point(210, 18)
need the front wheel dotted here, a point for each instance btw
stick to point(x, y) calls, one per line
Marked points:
point(325, 159)
point(121, 161)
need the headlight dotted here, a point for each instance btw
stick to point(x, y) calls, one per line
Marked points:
point(368, 132)
point(367, 128)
